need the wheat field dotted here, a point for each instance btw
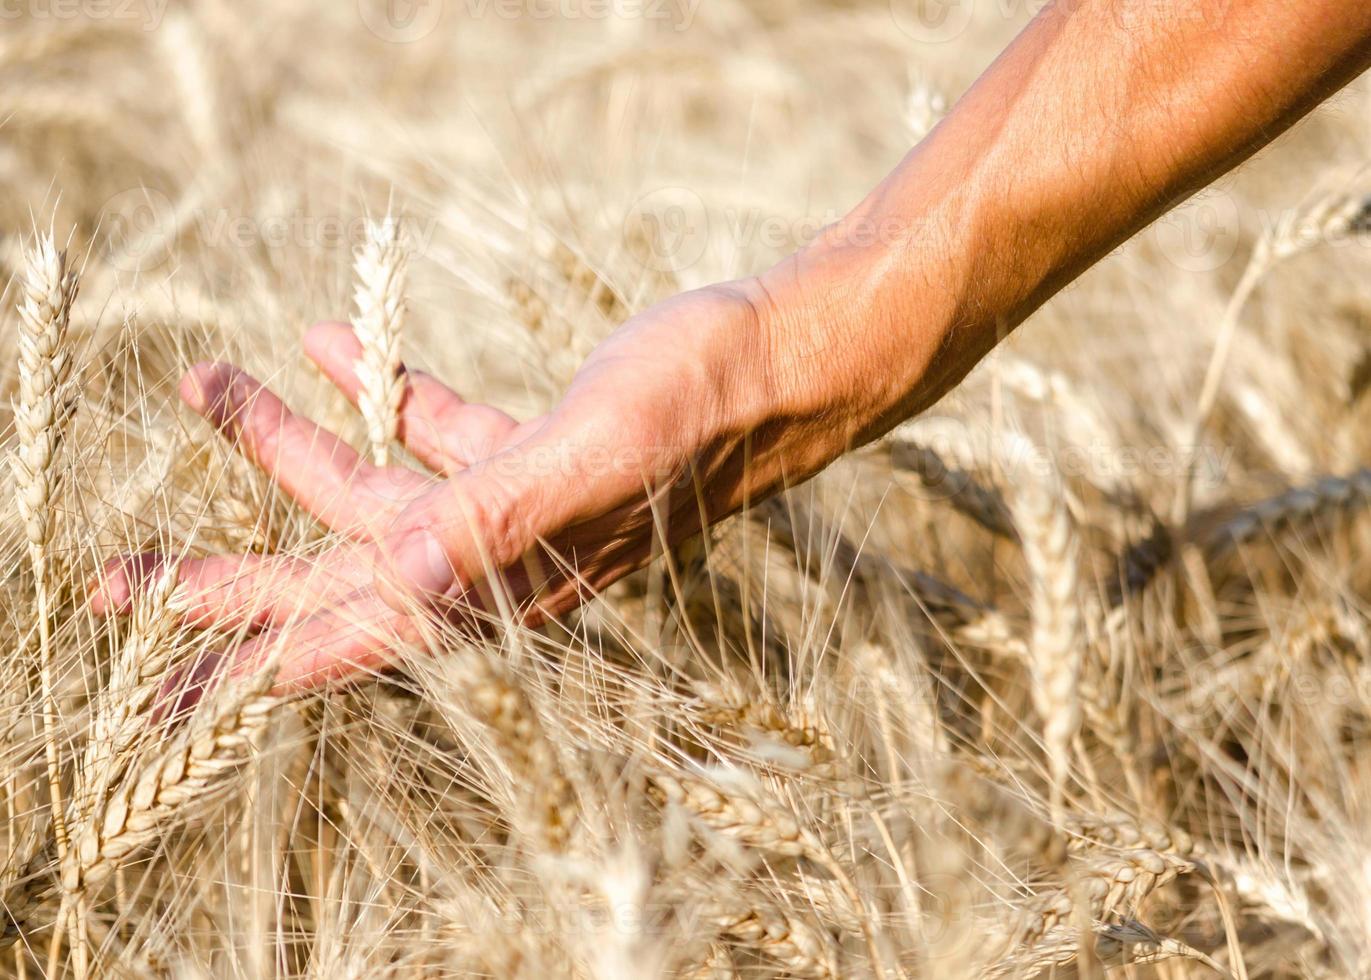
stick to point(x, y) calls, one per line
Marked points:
point(1070, 676)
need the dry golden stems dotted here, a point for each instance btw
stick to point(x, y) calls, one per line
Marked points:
point(42, 414)
point(817, 547)
point(1329, 217)
point(380, 267)
point(1116, 944)
point(1286, 748)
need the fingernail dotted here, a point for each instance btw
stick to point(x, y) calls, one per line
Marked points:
point(423, 565)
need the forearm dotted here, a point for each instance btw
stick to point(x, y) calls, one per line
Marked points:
point(1099, 117)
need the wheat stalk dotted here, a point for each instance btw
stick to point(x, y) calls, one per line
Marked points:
point(380, 267)
point(1056, 649)
point(42, 415)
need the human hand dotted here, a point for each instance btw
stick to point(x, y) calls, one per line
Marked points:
point(517, 521)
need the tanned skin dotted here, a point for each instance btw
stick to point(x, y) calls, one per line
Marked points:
point(1100, 116)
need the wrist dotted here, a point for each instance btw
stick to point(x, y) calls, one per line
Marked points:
point(868, 322)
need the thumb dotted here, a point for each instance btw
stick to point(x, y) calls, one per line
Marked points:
point(478, 523)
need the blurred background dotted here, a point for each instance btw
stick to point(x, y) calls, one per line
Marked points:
point(562, 164)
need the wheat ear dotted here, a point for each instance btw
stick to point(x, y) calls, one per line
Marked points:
point(42, 414)
point(196, 765)
point(1056, 649)
point(1333, 495)
point(380, 267)
point(980, 503)
point(803, 949)
point(122, 714)
point(1109, 882)
point(494, 699)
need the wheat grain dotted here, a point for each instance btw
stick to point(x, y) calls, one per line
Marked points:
point(546, 797)
point(742, 816)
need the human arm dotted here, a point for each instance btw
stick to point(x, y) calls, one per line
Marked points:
point(1097, 118)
